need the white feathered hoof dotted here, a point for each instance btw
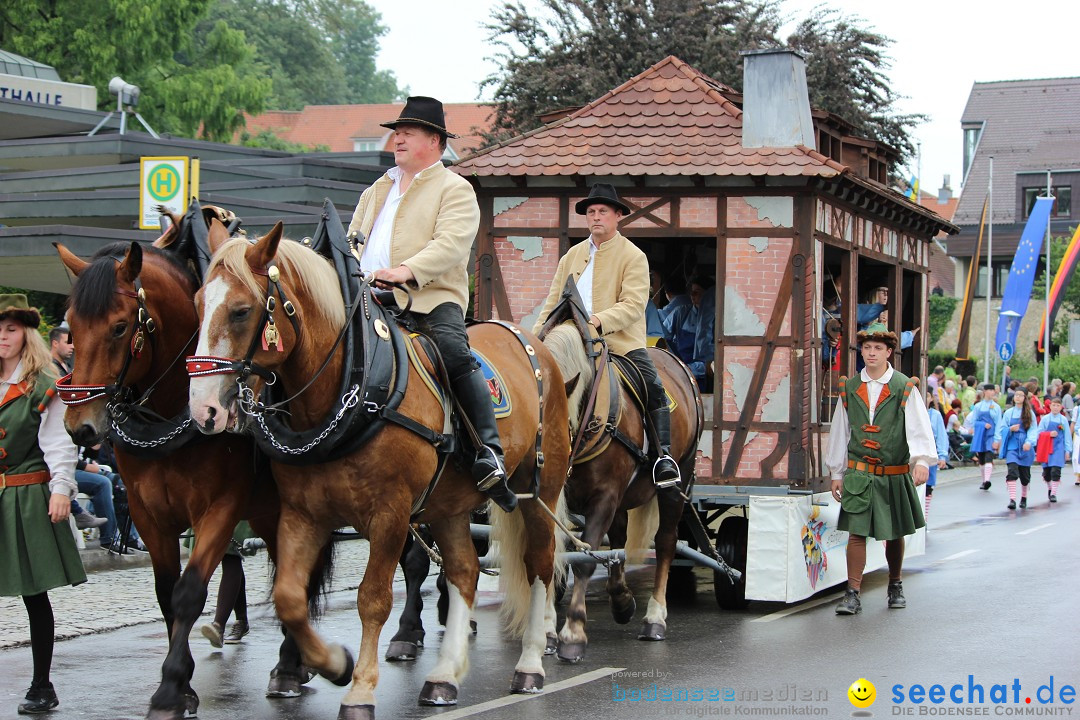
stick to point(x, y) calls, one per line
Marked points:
point(552, 646)
point(401, 651)
point(652, 631)
point(527, 683)
point(573, 652)
point(356, 712)
point(438, 694)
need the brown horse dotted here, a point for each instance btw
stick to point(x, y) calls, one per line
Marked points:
point(375, 488)
point(611, 476)
point(133, 320)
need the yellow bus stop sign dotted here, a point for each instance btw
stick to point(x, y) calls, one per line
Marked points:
point(162, 181)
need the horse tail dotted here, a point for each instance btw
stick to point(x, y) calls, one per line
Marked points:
point(508, 543)
point(641, 526)
point(564, 342)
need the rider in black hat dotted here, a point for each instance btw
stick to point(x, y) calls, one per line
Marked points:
point(416, 225)
point(612, 277)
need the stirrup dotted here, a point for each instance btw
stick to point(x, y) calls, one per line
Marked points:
point(496, 476)
point(664, 484)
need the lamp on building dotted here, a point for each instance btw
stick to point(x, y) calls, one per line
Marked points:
point(127, 99)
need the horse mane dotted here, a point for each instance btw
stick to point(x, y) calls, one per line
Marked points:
point(92, 294)
point(305, 269)
point(565, 343)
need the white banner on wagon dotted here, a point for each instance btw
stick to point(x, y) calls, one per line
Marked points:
point(794, 549)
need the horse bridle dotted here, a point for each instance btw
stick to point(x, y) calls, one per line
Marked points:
point(204, 365)
point(116, 391)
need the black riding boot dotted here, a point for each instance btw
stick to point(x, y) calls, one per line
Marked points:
point(488, 469)
point(665, 470)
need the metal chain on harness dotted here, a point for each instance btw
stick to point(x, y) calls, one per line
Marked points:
point(148, 443)
point(248, 404)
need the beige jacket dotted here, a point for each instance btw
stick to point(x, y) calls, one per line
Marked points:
point(620, 290)
point(433, 234)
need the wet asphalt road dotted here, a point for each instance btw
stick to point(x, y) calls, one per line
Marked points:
point(994, 598)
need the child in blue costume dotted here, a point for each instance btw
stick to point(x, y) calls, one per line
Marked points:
point(941, 442)
point(1016, 436)
point(1057, 425)
point(986, 414)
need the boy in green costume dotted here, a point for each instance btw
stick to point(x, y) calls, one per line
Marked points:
point(880, 449)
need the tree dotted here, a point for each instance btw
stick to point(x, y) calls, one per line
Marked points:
point(576, 50)
point(315, 52)
point(187, 87)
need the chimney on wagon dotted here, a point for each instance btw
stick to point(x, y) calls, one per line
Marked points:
point(776, 104)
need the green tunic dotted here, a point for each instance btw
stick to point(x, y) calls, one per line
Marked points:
point(35, 554)
point(884, 507)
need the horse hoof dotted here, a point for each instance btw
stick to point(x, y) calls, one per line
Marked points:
point(527, 683)
point(652, 631)
point(283, 685)
point(438, 694)
point(571, 652)
point(624, 613)
point(472, 626)
point(401, 651)
point(552, 645)
point(164, 714)
point(356, 712)
point(346, 677)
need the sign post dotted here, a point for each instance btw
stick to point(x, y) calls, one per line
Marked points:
point(162, 181)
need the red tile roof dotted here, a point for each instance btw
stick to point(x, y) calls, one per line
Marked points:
point(338, 125)
point(669, 120)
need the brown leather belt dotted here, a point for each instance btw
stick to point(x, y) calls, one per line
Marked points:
point(34, 478)
point(879, 469)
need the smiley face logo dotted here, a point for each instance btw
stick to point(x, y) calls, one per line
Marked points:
point(862, 693)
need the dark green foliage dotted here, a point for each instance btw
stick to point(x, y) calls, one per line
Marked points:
point(941, 312)
point(574, 51)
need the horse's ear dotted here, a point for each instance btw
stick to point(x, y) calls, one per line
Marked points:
point(218, 235)
point(572, 384)
point(132, 265)
point(262, 252)
point(71, 261)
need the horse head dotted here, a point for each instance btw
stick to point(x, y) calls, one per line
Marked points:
point(123, 298)
point(251, 309)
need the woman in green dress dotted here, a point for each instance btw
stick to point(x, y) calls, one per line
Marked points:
point(37, 482)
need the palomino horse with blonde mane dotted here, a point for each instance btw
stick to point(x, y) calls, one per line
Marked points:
point(133, 319)
point(384, 476)
point(611, 480)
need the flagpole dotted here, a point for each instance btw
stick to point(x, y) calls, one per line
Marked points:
point(1046, 313)
point(989, 274)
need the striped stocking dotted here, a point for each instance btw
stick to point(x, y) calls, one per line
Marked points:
point(1012, 489)
point(988, 470)
point(1054, 486)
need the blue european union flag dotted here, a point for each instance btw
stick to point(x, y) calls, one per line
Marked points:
point(1022, 272)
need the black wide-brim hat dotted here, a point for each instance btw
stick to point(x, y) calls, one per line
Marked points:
point(424, 111)
point(602, 193)
point(14, 306)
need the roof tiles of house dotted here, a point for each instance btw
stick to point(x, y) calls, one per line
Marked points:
point(1027, 125)
point(669, 120)
point(337, 126)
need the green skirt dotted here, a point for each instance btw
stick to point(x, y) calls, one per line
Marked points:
point(35, 554)
point(891, 511)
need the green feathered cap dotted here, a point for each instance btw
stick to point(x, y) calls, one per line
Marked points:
point(14, 306)
point(879, 332)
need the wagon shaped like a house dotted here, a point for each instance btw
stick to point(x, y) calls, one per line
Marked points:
point(788, 212)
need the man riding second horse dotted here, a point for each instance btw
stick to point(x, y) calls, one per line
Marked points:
point(612, 277)
point(419, 221)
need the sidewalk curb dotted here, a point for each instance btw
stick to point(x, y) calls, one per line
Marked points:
point(95, 559)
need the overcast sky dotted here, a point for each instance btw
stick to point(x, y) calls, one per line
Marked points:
point(941, 48)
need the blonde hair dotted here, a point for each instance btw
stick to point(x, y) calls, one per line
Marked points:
point(36, 359)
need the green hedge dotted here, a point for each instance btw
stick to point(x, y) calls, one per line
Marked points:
point(941, 312)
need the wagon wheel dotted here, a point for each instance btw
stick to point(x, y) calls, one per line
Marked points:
point(731, 544)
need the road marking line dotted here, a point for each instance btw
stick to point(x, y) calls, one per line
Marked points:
point(805, 606)
point(1035, 529)
point(514, 699)
point(956, 556)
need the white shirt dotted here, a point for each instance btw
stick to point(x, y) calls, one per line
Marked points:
point(376, 255)
point(60, 453)
point(584, 283)
point(919, 434)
